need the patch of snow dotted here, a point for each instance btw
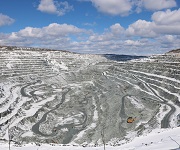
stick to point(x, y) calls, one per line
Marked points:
point(27, 134)
point(159, 139)
point(57, 66)
point(9, 65)
point(136, 102)
point(155, 75)
point(148, 59)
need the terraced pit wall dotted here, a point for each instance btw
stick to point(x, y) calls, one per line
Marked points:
point(51, 96)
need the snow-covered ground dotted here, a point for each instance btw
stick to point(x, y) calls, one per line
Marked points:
point(159, 139)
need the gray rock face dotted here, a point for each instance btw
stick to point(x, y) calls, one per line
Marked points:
point(60, 97)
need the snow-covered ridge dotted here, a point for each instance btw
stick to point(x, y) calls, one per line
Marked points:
point(66, 98)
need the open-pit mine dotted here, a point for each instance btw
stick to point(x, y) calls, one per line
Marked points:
point(51, 96)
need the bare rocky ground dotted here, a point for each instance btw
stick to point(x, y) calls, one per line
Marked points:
point(49, 96)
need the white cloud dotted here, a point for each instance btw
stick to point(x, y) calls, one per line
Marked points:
point(61, 29)
point(5, 20)
point(112, 40)
point(167, 18)
point(167, 29)
point(54, 7)
point(169, 38)
point(163, 22)
point(53, 30)
point(52, 35)
point(90, 24)
point(152, 5)
point(113, 33)
point(167, 22)
point(141, 28)
point(113, 7)
point(169, 42)
point(158, 4)
point(117, 29)
point(138, 5)
point(133, 43)
point(125, 7)
point(47, 6)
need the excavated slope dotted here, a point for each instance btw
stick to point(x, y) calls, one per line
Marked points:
point(51, 96)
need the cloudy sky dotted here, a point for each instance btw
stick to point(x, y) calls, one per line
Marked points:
point(138, 27)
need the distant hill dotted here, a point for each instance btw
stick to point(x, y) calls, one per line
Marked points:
point(174, 51)
point(122, 57)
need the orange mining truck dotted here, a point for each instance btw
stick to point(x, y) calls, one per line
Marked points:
point(131, 120)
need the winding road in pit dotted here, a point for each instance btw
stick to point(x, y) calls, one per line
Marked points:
point(35, 127)
point(71, 127)
point(165, 121)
